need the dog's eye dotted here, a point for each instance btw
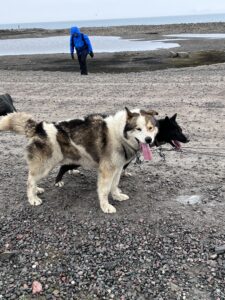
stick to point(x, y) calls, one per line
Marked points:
point(139, 129)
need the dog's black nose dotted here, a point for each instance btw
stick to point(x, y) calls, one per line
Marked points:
point(187, 140)
point(148, 140)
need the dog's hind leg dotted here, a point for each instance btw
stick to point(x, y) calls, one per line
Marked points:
point(32, 188)
point(115, 191)
point(105, 179)
point(43, 154)
point(36, 173)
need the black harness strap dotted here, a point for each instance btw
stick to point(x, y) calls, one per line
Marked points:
point(125, 152)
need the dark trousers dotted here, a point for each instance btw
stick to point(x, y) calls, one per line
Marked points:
point(82, 56)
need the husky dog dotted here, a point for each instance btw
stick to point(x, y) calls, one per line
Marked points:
point(169, 132)
point(106, 144)
point(6, 105)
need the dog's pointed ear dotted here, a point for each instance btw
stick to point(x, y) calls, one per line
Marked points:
point(129, 113)
point(149, 112)
point(174, 117)
point(167, 118)
point(152, 112)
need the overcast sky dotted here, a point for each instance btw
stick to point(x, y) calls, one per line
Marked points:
point(22, 11)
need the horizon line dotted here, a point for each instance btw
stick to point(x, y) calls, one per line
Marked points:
point(126, 18)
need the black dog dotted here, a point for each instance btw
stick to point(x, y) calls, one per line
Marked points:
point(6, 105)
point(169, 132)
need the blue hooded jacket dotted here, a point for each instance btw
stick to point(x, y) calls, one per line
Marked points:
point(79, 41)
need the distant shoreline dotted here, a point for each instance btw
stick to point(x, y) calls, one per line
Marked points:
point(131, 31)
point(136, 21)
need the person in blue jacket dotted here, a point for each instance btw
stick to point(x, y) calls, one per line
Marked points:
point(83, 47)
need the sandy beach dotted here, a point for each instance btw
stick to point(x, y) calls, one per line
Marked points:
point(154, 247)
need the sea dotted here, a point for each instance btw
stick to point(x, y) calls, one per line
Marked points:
point(120, 22)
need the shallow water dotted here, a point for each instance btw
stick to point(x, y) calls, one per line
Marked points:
point(199, 35)
point(60, 44)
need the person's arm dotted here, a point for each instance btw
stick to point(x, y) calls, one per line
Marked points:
point(88, 43)
point(71, 47)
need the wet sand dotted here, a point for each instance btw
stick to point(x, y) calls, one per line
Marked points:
point(123, 62)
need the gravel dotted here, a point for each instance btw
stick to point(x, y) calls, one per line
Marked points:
point(109, 259)
point(154, 247)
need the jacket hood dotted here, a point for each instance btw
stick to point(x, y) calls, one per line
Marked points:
point(74, 30)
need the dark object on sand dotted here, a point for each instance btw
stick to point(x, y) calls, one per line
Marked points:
point(6, 105)
point(7, 255)
point(217, 250)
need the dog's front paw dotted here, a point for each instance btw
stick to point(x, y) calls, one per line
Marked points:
point(108, 208)
point(74, 172)
point(60, 184)
point(120, 197)
point(35, 201)
point(39, 190)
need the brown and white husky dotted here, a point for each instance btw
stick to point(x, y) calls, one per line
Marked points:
point(93, 142)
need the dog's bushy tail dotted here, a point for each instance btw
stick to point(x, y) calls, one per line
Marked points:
point(19, 122)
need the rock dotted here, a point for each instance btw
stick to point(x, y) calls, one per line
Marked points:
point(183, 54)
point(7, 255)
point(55, 293)
point(220, 249)
point(212, 263)
point(174, 287)
point(36, 287)
point(173, 54)
point(213, 256)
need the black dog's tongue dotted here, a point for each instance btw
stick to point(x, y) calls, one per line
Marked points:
point(176, 144)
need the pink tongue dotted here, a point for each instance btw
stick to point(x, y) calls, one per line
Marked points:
point(146, 151)
point(177, 144)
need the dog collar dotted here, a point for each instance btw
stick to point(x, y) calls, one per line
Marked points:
point(127, 152)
